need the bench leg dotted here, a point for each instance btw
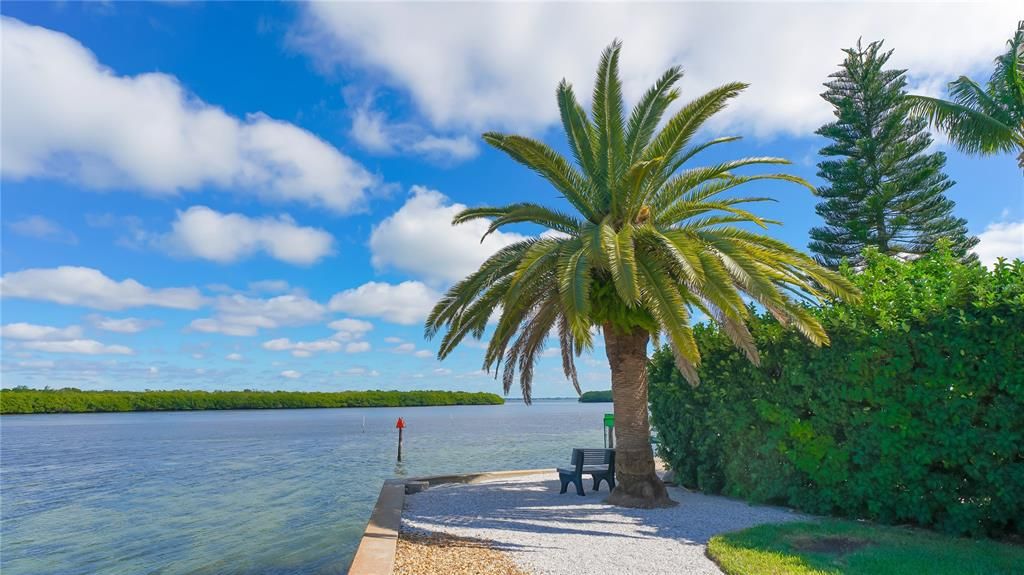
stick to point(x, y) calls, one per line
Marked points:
point(565, 484)
point(579, 485)
point(608, 478)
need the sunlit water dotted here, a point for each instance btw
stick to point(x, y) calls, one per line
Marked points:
point(267, 492)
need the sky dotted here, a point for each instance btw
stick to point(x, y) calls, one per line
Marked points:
point(258, 196)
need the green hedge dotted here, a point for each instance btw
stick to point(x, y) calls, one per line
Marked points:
point(71, 400)
point(915, 414)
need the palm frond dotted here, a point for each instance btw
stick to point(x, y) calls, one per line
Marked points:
point(648, 112)
point(607, 117)
point(550, 165)
point(520, 213)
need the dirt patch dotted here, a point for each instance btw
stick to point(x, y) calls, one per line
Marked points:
point(442, 554)
point(834, 545)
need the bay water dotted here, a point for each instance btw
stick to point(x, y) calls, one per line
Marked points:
point(263, 492)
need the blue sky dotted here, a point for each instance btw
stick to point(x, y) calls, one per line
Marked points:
point(252, 195)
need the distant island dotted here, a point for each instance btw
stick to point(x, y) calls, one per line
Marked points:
point(71, 400)
point(596, 396)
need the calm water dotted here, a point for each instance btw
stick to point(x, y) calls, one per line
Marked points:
point(267, 492)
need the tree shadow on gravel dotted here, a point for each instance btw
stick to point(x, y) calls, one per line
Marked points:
point(537, 507)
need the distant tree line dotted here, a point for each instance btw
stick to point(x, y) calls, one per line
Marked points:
point(71, 400)
point(596, 396)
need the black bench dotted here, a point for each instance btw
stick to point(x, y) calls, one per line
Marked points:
point(599, 463)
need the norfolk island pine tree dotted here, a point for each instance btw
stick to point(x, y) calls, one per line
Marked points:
point(650, 240)
point(884, 189)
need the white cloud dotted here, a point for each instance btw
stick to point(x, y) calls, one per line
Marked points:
point(359, 371)
point(405, 303)
point(357, 347)
point(423, 354)
point(1001, 239)
point(460, 148)
point(244, 316)
point(269, 286)
point(29, 331)
point(208, 234)
point(82, 346)
point(302, 348)
point(420, 239)
point(87, 287)
point(405, 348)
point(496, 65)
point(372, 130)
point(66, 115)
point(348, 329)
point(291, 374)
point(122, 325)
point(43, 228)
point(234, 357)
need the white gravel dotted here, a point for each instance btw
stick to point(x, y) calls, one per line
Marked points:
point(551, 534)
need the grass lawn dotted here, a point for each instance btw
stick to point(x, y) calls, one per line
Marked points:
point(834, 547)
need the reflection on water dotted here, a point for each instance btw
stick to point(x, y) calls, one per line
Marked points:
point(267, 492)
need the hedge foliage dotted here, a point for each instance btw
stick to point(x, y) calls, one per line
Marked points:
point(72, 400)
point(914, 414)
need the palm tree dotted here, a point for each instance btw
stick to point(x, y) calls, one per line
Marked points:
point(649, 242)
point(986, 120)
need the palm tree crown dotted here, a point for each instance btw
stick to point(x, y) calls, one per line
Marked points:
point(651, 239)
point(986, 120)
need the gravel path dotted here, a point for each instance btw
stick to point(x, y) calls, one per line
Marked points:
point(550, 534)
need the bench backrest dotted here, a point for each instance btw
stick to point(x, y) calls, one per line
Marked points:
point(581, 457)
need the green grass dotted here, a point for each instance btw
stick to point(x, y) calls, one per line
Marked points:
point(835, 547)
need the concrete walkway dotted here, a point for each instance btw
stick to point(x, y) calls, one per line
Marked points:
point(546, 533)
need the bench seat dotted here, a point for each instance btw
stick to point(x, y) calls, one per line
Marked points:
point(598, 463)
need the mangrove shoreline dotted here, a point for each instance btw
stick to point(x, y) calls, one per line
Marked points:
point(70, 400)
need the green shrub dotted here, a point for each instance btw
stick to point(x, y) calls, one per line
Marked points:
point(915, 413)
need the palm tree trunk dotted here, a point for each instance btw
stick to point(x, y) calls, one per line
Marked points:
point(637, 484)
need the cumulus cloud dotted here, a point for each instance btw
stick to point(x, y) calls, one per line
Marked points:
point(42, 228)
point(240, 315)
point(373, 131)
point(291, 374)
point(234, 357)
point(88, 287)
point(29, 331)
point(487, 65)
point(348, 329)
point(1001, 240)
point(347, 337)
point(81, 346)
point(208, 234)
point(302, 348)
point(358, 371)
point(66, 115)
point(406, 303)
point(420, 239)
point(357, 347)
point(269, 286)
point(123, 324)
